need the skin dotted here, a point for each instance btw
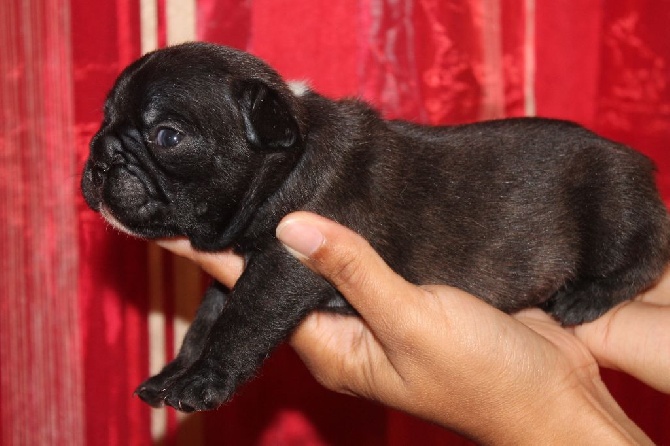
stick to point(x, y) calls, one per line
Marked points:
point(445, 356)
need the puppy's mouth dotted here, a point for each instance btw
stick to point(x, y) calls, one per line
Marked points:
point(116, 224)
point(127, 197)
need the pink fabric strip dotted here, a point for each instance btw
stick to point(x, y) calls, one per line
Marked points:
point(40, 350)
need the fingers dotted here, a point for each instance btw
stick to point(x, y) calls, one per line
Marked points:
point(225, 266)
point(632, 338)
point(434, 352)
point(396, 311)
point(332, 348)
point(404, 325)
point(362, 356)
point(351, 265)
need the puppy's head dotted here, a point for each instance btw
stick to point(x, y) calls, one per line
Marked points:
point(194, 138)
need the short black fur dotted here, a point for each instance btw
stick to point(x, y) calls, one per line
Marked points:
point(519, 212)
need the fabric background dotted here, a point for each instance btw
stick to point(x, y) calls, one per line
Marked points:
point(87, 313)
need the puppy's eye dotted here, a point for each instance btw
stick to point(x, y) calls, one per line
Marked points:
point(167, 137)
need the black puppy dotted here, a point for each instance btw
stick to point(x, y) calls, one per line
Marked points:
point(208, 142)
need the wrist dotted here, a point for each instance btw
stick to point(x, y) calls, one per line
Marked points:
point(573, 416)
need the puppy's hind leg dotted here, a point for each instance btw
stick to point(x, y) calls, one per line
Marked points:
point(586, 300)
point(624, 235)
point(194, 341)
point(593, 294)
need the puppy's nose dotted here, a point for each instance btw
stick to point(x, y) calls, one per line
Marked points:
point(106, 151)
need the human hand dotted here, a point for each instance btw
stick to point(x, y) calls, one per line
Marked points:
point(634, 337)
point(446, 356)
point(224, 266)
point(439, 353)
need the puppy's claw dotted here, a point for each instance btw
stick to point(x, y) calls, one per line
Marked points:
point(193, 400)
point(182, 407)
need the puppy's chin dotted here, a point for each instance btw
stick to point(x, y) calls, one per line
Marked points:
point(116, 224)
point(128, 200)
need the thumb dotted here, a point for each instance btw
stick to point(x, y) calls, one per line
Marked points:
point(633, 338)
point(351, 265)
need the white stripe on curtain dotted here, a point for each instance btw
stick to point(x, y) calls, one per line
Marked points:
point(493, 100)
point(180, 19)
point(149, 25)
point(530, 106)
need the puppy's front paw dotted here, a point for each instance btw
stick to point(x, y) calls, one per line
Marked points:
point(151, 390)
point(202, 387)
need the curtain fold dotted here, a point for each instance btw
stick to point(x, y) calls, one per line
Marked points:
point(87, 313)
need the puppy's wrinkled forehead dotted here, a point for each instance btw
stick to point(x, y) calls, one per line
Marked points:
point(172, 81)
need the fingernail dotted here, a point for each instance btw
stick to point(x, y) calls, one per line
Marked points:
point(300, 237)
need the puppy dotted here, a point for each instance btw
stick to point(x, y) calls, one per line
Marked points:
point(209, 143)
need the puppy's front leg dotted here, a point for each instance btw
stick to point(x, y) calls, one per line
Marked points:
point(150, 391)
point(273, 295)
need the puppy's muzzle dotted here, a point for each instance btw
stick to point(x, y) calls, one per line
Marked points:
point(116, 180)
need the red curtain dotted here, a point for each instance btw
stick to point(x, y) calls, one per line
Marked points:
point(86, 313)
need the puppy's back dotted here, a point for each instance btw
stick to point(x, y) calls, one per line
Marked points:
point(519, 212)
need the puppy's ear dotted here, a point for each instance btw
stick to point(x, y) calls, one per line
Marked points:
point(269, 122)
